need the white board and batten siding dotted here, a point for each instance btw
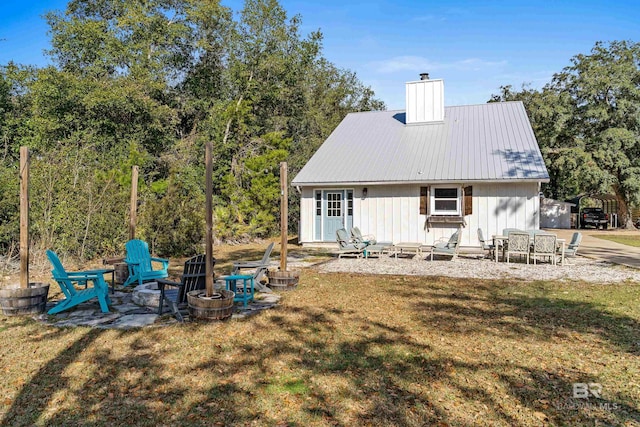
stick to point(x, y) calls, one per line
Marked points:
point(425, 102)
point(392, 212)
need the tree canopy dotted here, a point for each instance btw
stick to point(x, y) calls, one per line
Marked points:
point(148, 83)
point(587, 122)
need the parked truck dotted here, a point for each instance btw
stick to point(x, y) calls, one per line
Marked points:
point(594, 217)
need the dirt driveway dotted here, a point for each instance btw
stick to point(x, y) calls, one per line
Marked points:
point(605, 250)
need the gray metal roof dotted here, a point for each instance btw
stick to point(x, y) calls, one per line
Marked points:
point(485, 142)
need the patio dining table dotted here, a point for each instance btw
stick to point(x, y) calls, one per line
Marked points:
point(501, 240)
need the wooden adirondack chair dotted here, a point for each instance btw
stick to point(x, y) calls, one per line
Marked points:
point(139, 261)
point(193, 278)
point(259, 268)
point(67, 279)
point(369, 240)
point(574, 244)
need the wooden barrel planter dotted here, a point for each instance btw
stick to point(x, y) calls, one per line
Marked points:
point(217, 307)
point(24, 301)
point(121, 273)
point(283, 280)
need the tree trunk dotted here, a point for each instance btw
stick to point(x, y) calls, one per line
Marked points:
point(235, 166)
point(624, 213)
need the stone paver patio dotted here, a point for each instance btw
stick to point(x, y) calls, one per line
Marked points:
point(124, 314)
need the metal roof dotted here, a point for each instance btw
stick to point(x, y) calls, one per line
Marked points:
point(485, 142)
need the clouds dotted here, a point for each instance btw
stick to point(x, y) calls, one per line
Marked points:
point(419, 63)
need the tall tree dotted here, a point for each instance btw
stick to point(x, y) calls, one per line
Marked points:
point(156, 40)
point(551, 116)
point(148, 82)
point(587, 121)
point(604, 87)
point(268, 61)
point(283, 100)
point(15, 113)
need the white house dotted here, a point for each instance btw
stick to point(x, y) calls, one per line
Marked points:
point(416, 175)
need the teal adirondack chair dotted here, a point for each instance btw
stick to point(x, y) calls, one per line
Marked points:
point(139, 261)
point(67, 279)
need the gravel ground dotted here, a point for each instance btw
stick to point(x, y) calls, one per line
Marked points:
point(470, 266)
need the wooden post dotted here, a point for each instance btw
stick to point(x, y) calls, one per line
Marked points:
point(133, 208)
point(284, 213)
point(209, 216)
point(24, 217)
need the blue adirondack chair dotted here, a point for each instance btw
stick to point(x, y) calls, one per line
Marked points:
point(67, 279)
point(139, 261)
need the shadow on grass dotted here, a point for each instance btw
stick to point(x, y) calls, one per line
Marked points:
point(330, 361)
point(383, 369)
point(109, 395)
point(483, 309)
point(488, 309)
point(303, 344)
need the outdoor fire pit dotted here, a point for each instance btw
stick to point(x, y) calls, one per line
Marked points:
point(146, 295)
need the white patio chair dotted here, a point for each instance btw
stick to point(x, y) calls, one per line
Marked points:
point(490, 247)
point(346, 248)
point(518, 244)
point(572, 249)
point(544, 245)
point(448, 248)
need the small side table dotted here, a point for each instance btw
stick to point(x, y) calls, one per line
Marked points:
point(241, 285)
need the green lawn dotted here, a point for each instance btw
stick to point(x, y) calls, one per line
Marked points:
point(345, 350)
point(631, 240)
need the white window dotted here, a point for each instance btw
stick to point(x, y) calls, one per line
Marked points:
point(318, 203)
point(445, 201)
point(334, 204)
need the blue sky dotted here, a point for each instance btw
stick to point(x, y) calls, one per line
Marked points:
point(475, 46)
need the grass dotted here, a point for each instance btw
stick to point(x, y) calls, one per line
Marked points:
point(629, 240)
point(344, 350)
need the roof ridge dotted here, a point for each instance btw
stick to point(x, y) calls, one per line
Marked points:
point(375, 111)
point(446, 106)
point(485, 103)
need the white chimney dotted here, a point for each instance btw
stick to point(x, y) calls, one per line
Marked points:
point(425, 101)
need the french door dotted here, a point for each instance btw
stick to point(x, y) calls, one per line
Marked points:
point(337, 212)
